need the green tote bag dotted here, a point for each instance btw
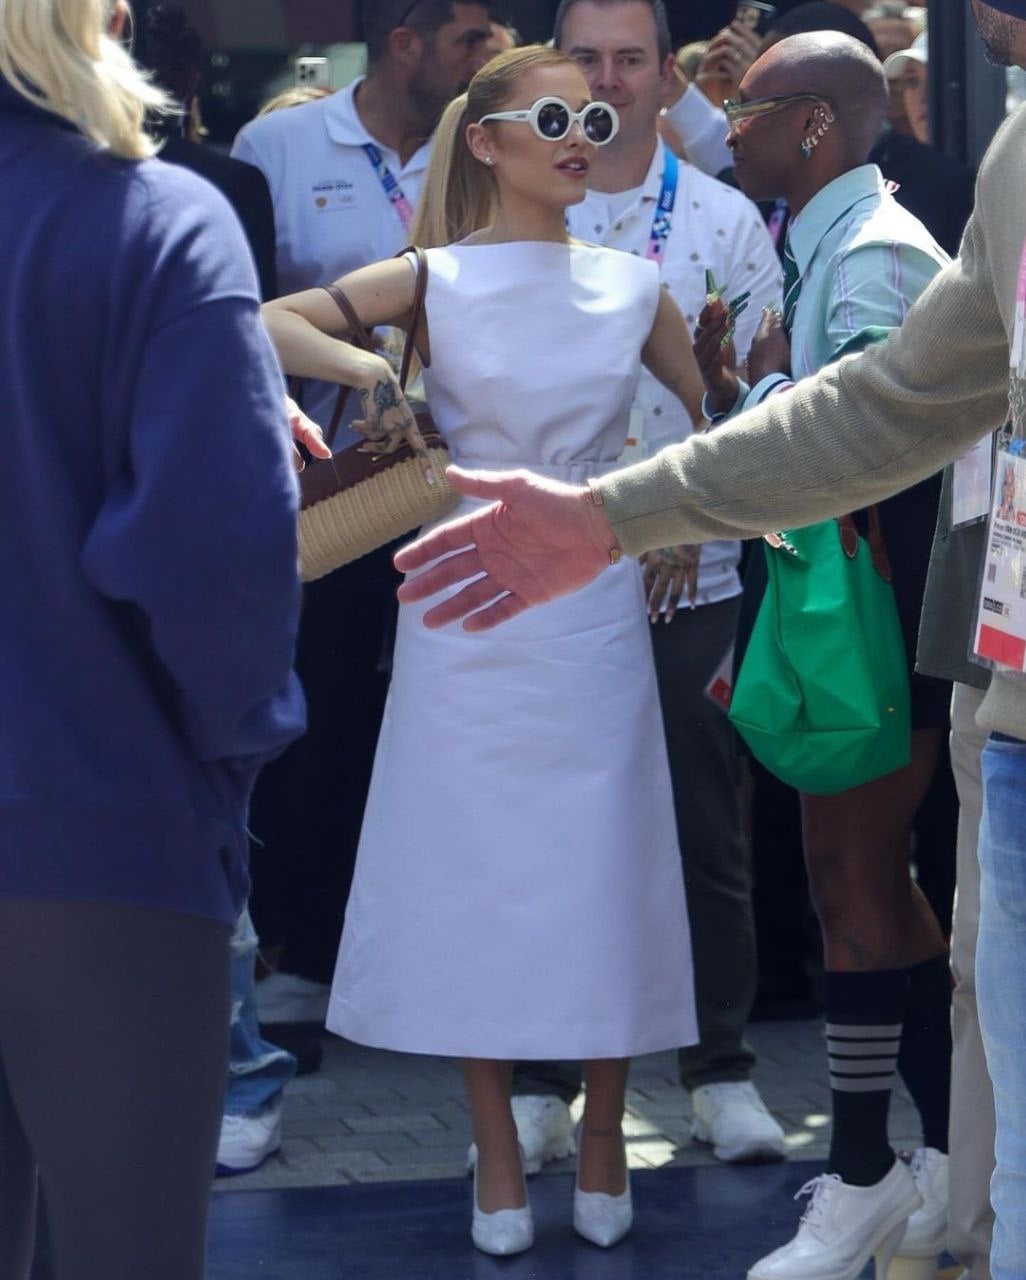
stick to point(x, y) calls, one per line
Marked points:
point(821, 696)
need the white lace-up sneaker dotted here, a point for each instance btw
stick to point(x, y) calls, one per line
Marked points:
point(732, 1118)
point(247, 1141)
point(927, 1230)
point(843, 1227)
point(544, 1130)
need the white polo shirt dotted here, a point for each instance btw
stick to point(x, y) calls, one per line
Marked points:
point(330, 209)
point(714, 226)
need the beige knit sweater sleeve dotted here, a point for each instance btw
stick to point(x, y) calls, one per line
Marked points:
point(866, 427)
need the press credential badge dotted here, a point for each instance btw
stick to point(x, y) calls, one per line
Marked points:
point(1001, 618)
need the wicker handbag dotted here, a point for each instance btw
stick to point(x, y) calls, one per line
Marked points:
point(358, 500)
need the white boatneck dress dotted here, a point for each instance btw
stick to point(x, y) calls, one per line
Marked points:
point(518, 890)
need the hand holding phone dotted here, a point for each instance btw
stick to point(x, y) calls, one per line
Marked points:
point(755, 15)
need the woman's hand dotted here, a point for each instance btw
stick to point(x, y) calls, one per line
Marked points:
point(716, 357)
point(771, 350)
point(667, 572)
point(386, 415)
point(306, 432)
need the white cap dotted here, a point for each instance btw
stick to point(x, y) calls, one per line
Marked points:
point(897, 64)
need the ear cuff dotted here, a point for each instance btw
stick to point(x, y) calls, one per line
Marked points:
point(823, 119)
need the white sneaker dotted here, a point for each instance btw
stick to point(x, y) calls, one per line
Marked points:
point(732, 1117)
point(247, 1141)
point(843, 1227)
point(927, 1231)
point(286, 997)
point(544, 1130)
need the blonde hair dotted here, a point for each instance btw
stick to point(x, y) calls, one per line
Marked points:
point(459, 193)
point(58, 55)
point(297, 95)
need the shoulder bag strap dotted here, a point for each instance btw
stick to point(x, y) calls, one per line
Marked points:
point(360, 338)
point(874, 538)
point(416, 311)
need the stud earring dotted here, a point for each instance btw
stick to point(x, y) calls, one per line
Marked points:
point(488, 160)
point(807, 146)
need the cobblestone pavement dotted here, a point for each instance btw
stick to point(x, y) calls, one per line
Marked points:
point(372, 1116)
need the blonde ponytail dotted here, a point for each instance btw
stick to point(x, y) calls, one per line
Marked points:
point(58, 55)
point(459, 195)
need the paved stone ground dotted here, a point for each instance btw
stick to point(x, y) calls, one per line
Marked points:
point(372, 1116)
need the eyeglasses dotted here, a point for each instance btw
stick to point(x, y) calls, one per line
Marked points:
point(738, 112)
point(552, 119)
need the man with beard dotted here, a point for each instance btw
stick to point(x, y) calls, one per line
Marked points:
point(852, 434)
point(345, 172)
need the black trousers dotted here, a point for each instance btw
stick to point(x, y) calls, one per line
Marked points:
point(717, 872)
point(113, 1062)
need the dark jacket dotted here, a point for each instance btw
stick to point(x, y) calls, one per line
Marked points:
point(148, 587)
point(933, 186)
point(245, 188)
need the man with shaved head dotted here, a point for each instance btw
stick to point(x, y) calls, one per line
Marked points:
point(808, 114)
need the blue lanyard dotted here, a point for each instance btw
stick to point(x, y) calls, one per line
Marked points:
point(390, 186)
point(662, 219)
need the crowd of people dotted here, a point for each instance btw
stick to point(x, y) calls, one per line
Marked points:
point(691, 297)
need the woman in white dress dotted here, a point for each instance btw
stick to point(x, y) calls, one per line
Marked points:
point(518, 890)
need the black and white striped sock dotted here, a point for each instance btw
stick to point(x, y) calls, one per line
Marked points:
point(864, 1013)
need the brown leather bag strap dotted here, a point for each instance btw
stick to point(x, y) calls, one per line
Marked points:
point(357, 330)
point(416, 311)
point(878, 545)
point(359, 336)
point(874, 538)
point(849, 535)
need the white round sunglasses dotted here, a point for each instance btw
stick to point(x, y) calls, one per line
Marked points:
point(552, 119)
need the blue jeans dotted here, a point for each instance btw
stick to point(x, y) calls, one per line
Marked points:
point(257, 1071)
point(1001, 989)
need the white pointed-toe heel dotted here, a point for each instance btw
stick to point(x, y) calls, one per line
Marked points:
point(505, 1231)
point(603, 1219)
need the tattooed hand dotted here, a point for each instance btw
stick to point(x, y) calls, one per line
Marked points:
point(667, 572)
point(388, 420)
point(386, 415)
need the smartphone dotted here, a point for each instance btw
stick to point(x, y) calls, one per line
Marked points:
point(759, 17)
point(313, 73)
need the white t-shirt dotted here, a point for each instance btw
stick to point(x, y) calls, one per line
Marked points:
point(331, 211)
point(713, 226)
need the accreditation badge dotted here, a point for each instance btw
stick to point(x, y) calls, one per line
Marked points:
point(1001, 617)
point(1000, 637)
point(972, 483)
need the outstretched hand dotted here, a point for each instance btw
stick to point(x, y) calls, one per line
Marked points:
point(538, 540)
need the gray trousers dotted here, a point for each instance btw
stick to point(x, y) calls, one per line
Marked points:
point(717, 868)
point(113, 1061)
point(971, 1162)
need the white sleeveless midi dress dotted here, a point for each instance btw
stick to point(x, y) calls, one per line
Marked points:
point(518, 889)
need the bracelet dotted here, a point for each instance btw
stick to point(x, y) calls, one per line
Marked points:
point(596, 498)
